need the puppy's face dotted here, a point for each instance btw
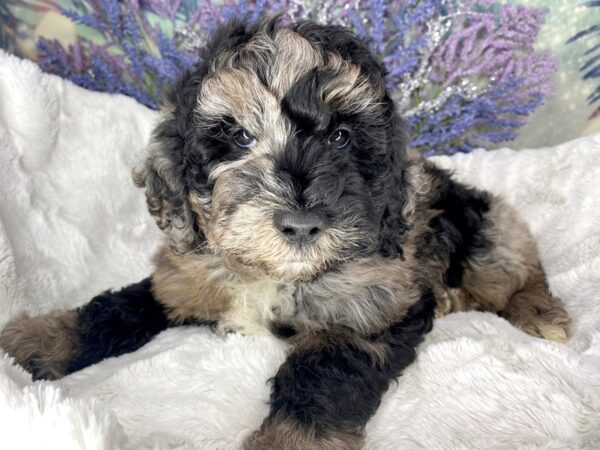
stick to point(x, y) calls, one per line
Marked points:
point(284, 154)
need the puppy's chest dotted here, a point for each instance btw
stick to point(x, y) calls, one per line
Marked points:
point(365, 300)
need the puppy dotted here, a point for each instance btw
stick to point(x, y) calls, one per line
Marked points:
point(290, 205)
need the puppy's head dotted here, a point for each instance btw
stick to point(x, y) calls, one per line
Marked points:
point(281, 152)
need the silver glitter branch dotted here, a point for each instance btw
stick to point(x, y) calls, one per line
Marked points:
point(419, 79)
point(413, 81)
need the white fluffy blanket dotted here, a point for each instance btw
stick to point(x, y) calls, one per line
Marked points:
point(72, 225)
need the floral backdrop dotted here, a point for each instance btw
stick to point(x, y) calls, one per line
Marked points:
point(465, 73)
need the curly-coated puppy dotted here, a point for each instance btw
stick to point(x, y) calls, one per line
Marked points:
point(280, 177)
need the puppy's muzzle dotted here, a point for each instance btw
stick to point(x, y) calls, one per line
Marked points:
point(300, 227)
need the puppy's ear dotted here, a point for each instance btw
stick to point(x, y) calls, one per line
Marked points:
point(167, 194)
point(164, 173)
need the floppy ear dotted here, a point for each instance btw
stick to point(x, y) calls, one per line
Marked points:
point(166, 192)
point(164, 173)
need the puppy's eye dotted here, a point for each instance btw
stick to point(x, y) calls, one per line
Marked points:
point(339, 138)
point(244, 139)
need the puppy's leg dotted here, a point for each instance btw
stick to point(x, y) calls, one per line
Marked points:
point(62, 342)
point(42, 345)
point(332, 383)
point(507, 278)
point(536, 311)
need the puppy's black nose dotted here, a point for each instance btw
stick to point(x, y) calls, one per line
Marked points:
point(299, 227)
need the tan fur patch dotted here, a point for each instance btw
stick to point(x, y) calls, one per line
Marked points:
point(284, 434)
point(494, 276)
point(536, 311)
point(294, 57)
point(201, 286)
point(508, 279)
point(350, 91)
point(238, 92)
point(190, 286)
point(43, 345)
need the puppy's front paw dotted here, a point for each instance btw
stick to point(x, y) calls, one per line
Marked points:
point(554, 332)
point(42, 345)
point(278, 435)
point(246, 328)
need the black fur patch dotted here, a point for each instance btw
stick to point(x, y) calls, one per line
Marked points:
point(282, 330)
point(458, 227)
point(119, 322)
point(338, 385)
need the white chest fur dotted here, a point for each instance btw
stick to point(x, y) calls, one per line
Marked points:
point(255, 304)
point(365, 295)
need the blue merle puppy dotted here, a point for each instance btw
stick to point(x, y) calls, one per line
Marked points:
point(291, 205)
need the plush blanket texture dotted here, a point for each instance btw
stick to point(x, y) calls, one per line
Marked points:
point(72, 224)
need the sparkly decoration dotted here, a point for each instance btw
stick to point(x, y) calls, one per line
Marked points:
point(485, 78)
point(464, 73)
point(418, 79)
